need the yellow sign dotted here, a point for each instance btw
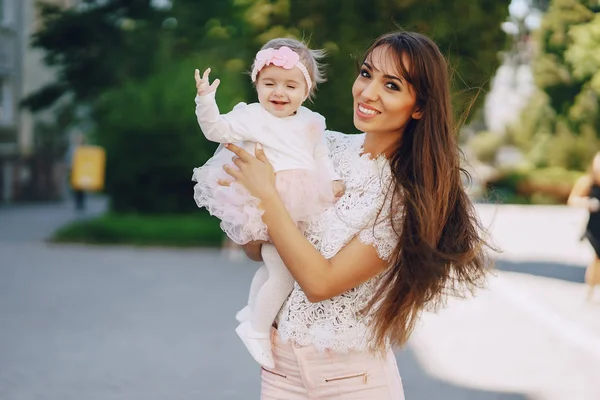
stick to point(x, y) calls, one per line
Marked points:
point(88, 168)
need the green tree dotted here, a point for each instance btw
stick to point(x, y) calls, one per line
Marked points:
point(560, 127)
point(93, 47)
point(131, 65)
point(553, 73)
point(152, 139)
point(346, 27)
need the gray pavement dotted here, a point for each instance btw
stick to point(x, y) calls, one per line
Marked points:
point(36, 222)
point(89, 322)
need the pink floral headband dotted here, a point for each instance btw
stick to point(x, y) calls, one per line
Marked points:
point(283, 57)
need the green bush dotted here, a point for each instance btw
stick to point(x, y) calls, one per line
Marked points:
point(152, 139)
point(504, 188)
point(559, 126)
point(536, 186)
point(536, 118)
point(553, 176)
point(570, 150)
point(485, 145)
point(198, 229)
point(551, 141)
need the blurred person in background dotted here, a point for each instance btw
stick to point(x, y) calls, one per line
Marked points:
point(586, 194)
point(402, 237)
point(79, 195)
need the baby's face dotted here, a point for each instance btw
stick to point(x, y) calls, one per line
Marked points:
point(281, 91)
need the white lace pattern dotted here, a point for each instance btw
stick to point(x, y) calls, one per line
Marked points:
point(335, 324)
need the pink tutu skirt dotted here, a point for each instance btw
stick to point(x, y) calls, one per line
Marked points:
point(304, 192)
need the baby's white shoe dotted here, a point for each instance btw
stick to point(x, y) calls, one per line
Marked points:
point(258, 344)
point(244, 314)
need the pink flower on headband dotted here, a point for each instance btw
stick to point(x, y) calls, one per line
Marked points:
point(283, 57)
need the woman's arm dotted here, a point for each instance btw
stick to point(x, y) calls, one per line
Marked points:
point(579, 196)
point(319, 278)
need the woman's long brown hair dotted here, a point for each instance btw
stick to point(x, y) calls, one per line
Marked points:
point(441, 250)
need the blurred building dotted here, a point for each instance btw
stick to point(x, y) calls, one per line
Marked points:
point(22, 71)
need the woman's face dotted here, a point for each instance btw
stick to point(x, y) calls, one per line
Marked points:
point(383, 101)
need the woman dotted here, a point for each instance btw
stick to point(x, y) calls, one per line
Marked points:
point(586, 194)
point(402, 236)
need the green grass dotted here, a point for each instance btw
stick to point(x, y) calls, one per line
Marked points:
point(195, 230)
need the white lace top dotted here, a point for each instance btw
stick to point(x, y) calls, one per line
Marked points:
point(335, 323)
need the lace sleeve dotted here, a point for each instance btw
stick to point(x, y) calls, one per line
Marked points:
point(382, 237)
point(332, 138)
point(383, 233)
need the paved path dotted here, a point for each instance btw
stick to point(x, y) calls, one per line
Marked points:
point(87, 322)
point(37, 222)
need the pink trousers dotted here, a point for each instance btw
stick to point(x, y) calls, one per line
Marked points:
point(304, 373)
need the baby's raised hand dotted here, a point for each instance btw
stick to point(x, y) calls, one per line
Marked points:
point(202, 84)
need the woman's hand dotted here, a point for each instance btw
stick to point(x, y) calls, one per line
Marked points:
point(255, 173)
point(580, 195)
point(593, 204)
point(253, 250)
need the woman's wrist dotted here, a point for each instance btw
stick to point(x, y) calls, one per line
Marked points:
point(270, 198)
point(274, 210)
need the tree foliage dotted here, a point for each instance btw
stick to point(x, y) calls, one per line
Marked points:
point(562, 123)
point(95, 46)
point(152, 143)
point(345, 28)
point(131, 65)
